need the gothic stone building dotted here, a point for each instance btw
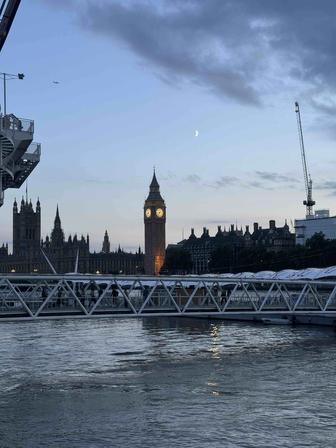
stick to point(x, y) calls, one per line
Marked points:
point(30, 253)
point(274, 239)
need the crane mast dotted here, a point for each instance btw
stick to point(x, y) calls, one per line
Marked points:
point(308, 202)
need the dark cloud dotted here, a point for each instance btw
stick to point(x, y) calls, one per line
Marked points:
point(241, 49)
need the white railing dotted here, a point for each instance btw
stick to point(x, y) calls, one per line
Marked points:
point(34, 296)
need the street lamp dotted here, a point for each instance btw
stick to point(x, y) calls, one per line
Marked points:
point(7, 77)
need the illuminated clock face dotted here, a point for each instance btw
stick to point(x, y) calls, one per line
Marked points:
point(148, 213)
point(159, 212)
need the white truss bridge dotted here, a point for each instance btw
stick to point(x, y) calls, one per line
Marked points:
point(34, 297)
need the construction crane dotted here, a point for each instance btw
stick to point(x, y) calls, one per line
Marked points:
point(308, 202)
point(8, 11)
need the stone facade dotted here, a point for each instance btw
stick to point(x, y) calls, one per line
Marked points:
point(274, 239)
point(26, 229)
point(28, 249)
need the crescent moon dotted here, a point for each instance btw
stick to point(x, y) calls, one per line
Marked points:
point(196, 133)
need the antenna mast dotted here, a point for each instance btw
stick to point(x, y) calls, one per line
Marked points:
point(308, 202)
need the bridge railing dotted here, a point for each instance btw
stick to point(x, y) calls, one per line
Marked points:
point(35, 296)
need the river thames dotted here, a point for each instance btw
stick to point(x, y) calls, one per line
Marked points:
point(164, 383)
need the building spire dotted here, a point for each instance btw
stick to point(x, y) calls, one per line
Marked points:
point(106, 244)
point(57, 235)
point(154, 189)
point(154, 186)
point(27, 192)
point(57, 219)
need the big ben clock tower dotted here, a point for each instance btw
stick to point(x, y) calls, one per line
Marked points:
point(155, 229)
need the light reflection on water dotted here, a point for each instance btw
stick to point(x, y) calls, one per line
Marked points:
point(165, 382)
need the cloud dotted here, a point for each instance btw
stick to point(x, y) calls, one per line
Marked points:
point(193, 179)
point(63, 4)
point(180, 39)
point(258, 184)
point(327, 106)
point(328, 185)
point(241, 49)
point(264, 180)
point(275, 177)
point(98, 181)
point(168, 176)
point(225, 181)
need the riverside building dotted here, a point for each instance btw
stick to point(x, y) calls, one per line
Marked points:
point(273, 239)
point(320, 222)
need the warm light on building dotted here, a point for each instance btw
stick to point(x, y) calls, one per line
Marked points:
point(159, 260)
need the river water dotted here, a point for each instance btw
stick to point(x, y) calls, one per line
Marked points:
point(166, 383)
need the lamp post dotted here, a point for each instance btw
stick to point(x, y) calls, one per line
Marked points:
point(7, 77)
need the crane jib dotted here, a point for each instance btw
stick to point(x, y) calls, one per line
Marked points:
point(8, 11)
point(308, 202)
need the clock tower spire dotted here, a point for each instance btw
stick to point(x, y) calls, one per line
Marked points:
point(155, 229)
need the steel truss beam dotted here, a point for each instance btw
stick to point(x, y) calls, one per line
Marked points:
point(36, 297)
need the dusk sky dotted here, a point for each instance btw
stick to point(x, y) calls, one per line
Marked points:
point(138, 78)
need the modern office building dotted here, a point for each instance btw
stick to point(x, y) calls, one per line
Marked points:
point(321, 222)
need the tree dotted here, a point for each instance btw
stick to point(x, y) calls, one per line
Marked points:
point(317, 241)
point(178, 261)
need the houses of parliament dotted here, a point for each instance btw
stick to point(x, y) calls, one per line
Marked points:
point(31, 254)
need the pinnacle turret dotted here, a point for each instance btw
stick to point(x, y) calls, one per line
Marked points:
point(106, 244)
point(57, 234)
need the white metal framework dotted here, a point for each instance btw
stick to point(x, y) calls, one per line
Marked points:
point(18, 154)
point(54, 296)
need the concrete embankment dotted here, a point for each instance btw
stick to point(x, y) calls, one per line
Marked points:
point(293, 318)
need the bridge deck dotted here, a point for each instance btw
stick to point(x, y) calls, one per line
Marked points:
point(39, 297)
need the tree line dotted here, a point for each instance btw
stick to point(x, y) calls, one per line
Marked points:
point(318, 252)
